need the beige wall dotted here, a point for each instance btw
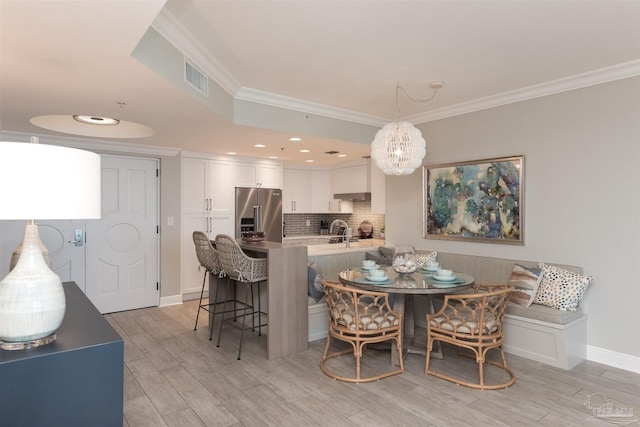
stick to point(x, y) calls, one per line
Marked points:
point(582, 150)
point(170, 235)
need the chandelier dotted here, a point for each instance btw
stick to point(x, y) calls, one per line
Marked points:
point(398, 148)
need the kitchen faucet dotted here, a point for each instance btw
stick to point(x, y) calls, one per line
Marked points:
point(347, 231)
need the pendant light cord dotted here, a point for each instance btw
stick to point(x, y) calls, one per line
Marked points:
point(435, 86)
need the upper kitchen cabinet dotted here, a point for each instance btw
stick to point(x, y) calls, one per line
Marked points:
point(361, 177)
point(321, 189)
point(351, 178)
point(264, 175)
point(207, 185)
point(296, 191)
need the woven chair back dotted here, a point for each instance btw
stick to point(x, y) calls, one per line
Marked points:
point(238, 265)
point(358, 311)
point(206, 253)
point(479, 315)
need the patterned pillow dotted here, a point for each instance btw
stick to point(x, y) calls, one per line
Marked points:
point(560, 288)
point(526, 282)
point(422, 259)
point(314, 286)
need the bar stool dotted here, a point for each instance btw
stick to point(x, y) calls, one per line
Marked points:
point(208, 258)
point(241, 268)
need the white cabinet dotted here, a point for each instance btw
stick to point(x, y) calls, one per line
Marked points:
point(296, 191)
point(265, 175)
point(351, 179)
point(361, 177)
point(208, 205)
point(322, 196)
point(207, 186)
point(378, 190)
point(341, 206)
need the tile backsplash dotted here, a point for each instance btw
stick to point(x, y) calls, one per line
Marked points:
point(296, 224)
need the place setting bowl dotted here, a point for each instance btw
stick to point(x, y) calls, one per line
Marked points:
point(431, 267)
point(444, 275)
point(369, 265)
point(376, 276)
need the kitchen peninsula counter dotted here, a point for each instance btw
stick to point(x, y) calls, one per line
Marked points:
point(287, 296)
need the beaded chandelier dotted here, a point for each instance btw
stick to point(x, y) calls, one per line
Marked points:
point(398, 148)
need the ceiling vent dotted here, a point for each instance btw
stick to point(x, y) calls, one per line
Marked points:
point(196, 78)
point(331, 152)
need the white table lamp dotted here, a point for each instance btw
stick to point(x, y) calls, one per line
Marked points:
point(40, 182)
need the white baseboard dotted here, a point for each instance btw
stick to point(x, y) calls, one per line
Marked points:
point(170, 300)
point(615, 359)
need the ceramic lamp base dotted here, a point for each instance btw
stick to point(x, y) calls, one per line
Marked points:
point(25, 345)
point(32, 300)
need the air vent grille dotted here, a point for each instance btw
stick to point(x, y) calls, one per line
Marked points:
point(196, 78)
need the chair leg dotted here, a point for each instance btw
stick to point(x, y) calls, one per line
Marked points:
point(249, 289)
point(253, 311)
point(215, 306)
point(259, 313)
point(428, 357)
point(226, 292)
point(204, 279)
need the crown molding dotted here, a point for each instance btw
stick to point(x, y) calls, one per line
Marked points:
point(591, 78)
point(94, 145)
point(281, 101)
point(170, 28)
point(175, 33)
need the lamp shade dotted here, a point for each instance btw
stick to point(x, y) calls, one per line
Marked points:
point(398, 148)
point(39, 181)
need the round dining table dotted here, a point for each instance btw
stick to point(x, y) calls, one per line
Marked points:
point(403, 287)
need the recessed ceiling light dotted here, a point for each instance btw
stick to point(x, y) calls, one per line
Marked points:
point(305, 151)
point(342, 155)
point(259, 145)
point(273, 157)
point(309, 161)
point(295, 139)
point(96, 120)
point(231, 153)
point(94, 126)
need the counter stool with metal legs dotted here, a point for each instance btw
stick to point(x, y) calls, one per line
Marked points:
point(242, 268)
point(208, 259)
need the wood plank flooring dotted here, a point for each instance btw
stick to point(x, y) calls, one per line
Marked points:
point(175, 376)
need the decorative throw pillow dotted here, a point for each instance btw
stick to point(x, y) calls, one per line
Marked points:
point(422, 259)
point(526, 282)
point(314, 286)
point(560, 288)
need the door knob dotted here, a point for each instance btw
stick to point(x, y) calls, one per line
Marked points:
point(78, 235)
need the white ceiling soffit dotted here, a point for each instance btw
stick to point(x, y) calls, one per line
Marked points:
point(175, 33)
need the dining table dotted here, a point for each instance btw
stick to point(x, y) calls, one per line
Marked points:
point(402, 288)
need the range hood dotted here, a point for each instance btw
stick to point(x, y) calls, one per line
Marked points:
point(353, 196)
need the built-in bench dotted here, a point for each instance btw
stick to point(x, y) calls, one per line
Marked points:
point(547, 335)
point(550, 336)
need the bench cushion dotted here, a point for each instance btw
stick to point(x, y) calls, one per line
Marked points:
point(544, 313)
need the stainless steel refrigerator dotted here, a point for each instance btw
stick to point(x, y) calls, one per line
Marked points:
point(259, 209)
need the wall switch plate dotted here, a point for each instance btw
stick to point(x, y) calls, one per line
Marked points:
point(170, 221)
point(308, 222)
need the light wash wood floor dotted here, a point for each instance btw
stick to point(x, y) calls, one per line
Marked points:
point(177, 377)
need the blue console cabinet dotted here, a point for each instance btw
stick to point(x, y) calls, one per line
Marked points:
point(75, 381)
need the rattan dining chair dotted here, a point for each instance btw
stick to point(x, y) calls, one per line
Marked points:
point(360, 317)
point(474, 323)
point(241, 268)
point(208, 259)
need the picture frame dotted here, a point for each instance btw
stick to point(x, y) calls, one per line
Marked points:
point(475, 201)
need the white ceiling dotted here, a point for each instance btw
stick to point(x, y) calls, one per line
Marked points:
point(340, 59)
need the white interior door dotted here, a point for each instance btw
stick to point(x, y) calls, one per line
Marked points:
point(123, 246)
